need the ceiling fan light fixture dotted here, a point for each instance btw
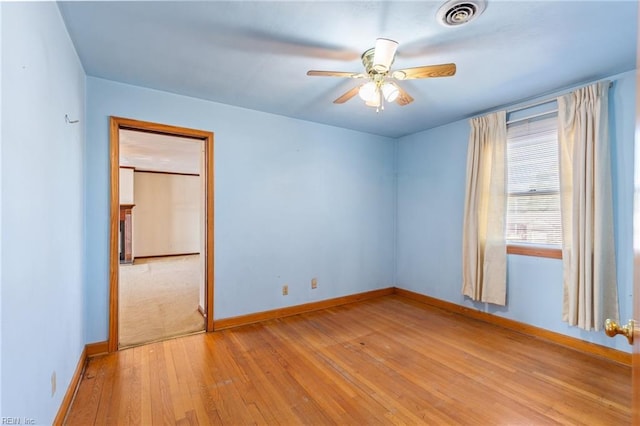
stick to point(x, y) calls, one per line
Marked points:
point(390, 92)
point(385, 52)
point(374, 103)
point(368, 91)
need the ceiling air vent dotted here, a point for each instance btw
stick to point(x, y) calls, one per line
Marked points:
point(458, 12)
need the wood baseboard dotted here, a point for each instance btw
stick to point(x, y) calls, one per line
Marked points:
point(71, 390)
point(165, 255)
point(90, 350)
point(561, 339)
point(97, 348)
point(298, 309)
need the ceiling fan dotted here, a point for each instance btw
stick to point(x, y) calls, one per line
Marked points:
point(381, 85)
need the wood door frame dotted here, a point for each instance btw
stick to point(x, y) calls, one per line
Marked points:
point(115, 125)
point(635, 350)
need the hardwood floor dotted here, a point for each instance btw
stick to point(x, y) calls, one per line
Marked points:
point(389, 360)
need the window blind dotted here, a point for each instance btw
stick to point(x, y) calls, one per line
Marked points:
point(533, 200)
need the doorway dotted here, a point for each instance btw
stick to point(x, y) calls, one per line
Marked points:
point(145, 242)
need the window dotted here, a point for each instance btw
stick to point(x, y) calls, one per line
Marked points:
point(533, 184)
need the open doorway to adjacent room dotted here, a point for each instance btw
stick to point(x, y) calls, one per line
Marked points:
point(161, 278)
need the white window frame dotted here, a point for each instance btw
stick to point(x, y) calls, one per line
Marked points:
point(522, 247)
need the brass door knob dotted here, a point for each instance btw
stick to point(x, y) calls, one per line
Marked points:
point(612, 328)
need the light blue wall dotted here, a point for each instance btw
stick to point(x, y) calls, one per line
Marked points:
point(293, 200)
point(1, 116)
point(42, 209)
point(431, 186)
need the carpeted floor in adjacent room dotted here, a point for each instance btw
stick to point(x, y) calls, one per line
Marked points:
point(159, 299)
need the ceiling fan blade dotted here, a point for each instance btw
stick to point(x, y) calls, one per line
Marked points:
point(403, 98)
point(334, 74)
point(350, 94)
point(442, 70)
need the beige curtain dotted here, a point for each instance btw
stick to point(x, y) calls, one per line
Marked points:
point(484, 258)
point(590, 288)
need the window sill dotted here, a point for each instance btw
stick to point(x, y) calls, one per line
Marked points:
point(551, 253)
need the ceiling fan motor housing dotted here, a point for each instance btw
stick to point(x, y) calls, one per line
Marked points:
point(368, 60)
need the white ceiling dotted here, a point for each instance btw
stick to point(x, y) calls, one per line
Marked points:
point(256, 54)
point(160, 153)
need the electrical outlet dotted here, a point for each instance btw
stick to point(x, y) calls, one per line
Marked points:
point(285, 290)
point(53, 383)
point(314, 283)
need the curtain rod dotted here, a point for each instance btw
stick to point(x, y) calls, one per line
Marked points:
point(527, 106)
point(531, 105)
point(547, 101)
point(529, 117)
